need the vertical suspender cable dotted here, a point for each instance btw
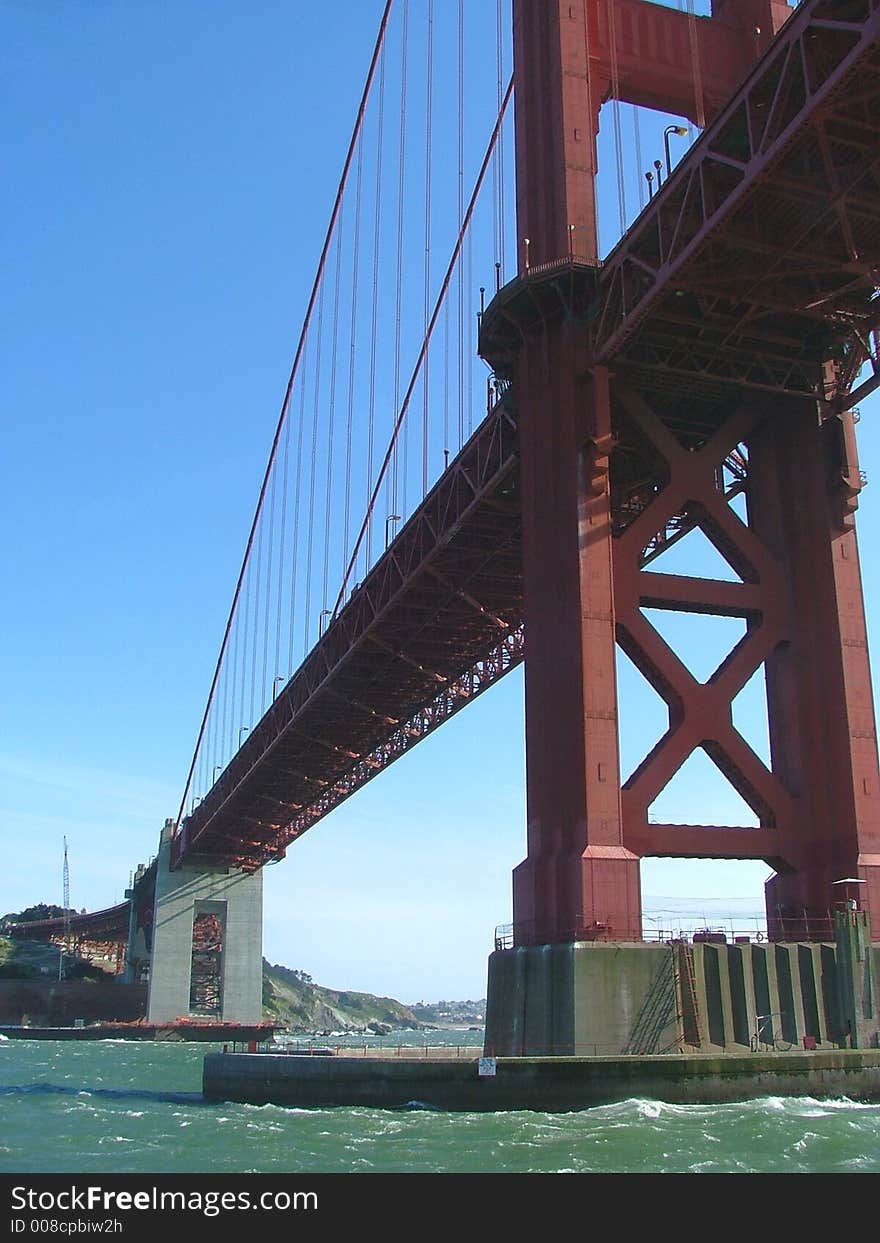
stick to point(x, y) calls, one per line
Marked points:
point(587, 244)
point(380, 39)
point(352, 347)
point(244, 644)
point(257, 586)
point(334, 353)
point(695, 65)
point(224, 720)
point(462, 330)
point(682, 8)
point(584, 246)
point(637, 135)
point(446, 379)
point(618, 136)
point(233, 692)
point(313, 467)
point(234, 710)
point(401, 169)
point(269, 581)
point(285, 462)
point(294, 543)
point(464, 232)
point(428, 154)
point(495, 205)
point(500, 89)
point(375, 320)
point(469, 285)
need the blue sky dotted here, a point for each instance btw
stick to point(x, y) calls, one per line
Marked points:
point(169, 171)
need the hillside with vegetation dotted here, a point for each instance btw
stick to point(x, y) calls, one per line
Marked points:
point(293, 1000)
point(37, 960)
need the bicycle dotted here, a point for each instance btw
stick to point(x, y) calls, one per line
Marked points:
point(776, 1041)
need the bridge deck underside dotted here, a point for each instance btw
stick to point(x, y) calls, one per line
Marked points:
point(760, 258)
point(436, 621)
point(110, 923)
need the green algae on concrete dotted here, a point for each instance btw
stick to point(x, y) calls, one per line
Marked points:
point(551, 1084)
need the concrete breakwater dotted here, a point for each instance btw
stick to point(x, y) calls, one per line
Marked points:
point(553, 1084)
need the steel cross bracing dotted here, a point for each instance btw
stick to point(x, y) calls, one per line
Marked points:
point(436, 621)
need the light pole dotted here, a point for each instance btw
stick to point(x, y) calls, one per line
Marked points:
point(671, 129)
point(391, 518)
point(649, 177)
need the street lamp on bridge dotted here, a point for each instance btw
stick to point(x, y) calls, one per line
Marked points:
point(681, 132)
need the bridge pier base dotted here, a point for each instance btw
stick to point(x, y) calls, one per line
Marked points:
point(613, 998)
point(207, 943)
point(577, 999)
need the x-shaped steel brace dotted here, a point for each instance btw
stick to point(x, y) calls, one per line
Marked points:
point(700, 714)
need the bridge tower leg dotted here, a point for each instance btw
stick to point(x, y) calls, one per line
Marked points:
point(207, 942)
point(804, 485)
point(584, 584)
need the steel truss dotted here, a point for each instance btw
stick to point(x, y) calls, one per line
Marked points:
point(434, 623)
point(759, 260)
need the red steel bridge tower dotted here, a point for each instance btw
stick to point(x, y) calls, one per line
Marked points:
point(710, 353)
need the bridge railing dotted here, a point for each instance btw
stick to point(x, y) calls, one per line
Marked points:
point(317, 1048)
point(765, 1044)
point(731, 931)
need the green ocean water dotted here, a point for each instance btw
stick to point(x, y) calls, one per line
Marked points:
point(136, 1107)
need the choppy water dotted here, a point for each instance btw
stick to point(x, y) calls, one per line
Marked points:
point(137, 1108)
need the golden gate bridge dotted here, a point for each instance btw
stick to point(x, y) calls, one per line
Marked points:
point(426, 523)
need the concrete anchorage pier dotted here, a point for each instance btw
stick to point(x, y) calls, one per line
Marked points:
point(613, 998)
point(207, 943)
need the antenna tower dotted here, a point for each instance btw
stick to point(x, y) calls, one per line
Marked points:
point(65, 903)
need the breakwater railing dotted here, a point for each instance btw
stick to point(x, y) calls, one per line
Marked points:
point(729, 931)
point(763, 1044)
point(310, 1048)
